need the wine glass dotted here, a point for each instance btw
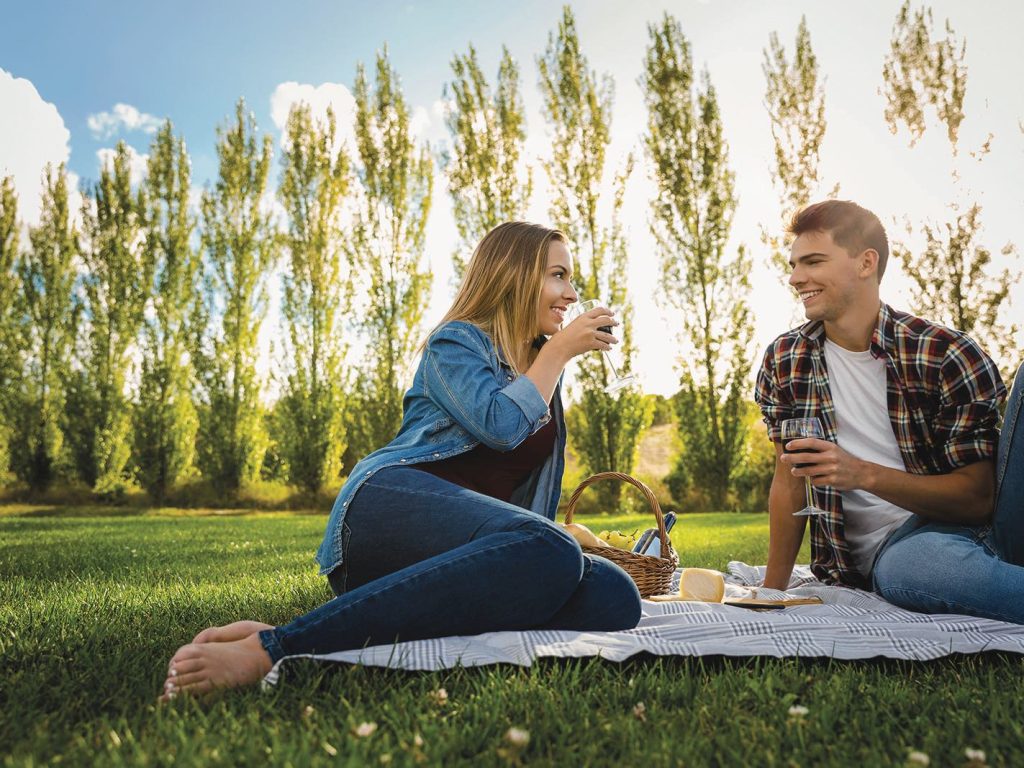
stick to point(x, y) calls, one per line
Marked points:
point(793, 429)
point(618, 381)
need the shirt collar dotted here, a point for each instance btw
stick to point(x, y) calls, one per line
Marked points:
point(883, 338)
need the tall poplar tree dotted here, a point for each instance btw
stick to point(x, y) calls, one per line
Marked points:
point(605, 428)
point(953, 281)
point(238, 245)
point(116, 283)
point(11, 326)
point(317, 295)
point(47, 277)
point(395, 183)
point(922, 71)
point(795, 101)
point(692, 217)
point(165, 418)
point(486, 176)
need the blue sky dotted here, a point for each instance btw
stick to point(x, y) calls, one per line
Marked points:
point(65, 66)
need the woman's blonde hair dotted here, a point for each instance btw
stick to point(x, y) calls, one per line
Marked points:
point(502, 285)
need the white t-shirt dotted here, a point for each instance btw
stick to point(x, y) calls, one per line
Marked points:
point(858, 387)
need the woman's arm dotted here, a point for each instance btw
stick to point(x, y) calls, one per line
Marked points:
point(459, 377)
point(580, 336)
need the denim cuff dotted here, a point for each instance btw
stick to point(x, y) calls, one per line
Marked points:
point(523, 392)
point(270, 643)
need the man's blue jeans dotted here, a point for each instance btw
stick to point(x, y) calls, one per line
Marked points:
point(973, 570)
point(425, 558)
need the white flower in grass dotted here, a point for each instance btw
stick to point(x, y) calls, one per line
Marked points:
point(640, 711)
point(330, 750)
point(797, 711)
point(438, 697)
point(918, 758)
point(365, 729)
point(517, 737)
point(417, 741)
point(975, 756)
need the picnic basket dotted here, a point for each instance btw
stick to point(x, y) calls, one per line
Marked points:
point(653, 575)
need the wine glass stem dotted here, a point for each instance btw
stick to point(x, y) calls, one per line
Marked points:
point(808, 492)
point(608, 359)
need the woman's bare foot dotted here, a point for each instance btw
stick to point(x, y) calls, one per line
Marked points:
point(200, 668)
point(238, 630)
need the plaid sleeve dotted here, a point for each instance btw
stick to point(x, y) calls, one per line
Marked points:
point(971, 390)
point(774, 401)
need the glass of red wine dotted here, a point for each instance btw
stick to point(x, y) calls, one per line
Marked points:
point(618, 381)
point(794, 429)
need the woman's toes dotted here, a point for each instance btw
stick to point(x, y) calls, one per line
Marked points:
point(200, 668)
point(206, 636)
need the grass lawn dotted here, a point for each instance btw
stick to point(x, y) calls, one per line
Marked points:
point(93, 604)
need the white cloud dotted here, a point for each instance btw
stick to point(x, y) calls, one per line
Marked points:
point(319, 98)
point(137, 162)
point(122, 117)
point(428, 124)
point(32, 134)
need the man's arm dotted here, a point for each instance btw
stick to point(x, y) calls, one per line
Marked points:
point(964, 496)
point(785, 532)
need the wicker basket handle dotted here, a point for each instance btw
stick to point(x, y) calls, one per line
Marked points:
point(647, 492)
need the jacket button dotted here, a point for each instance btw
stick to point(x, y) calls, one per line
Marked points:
point(436, 455)
point(401, 461)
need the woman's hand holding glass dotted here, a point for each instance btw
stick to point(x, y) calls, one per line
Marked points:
point(598, 326)
point(587, 330)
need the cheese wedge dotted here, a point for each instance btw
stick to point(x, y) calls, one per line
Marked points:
point(701, 584)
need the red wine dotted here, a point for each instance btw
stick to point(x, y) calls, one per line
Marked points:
point(604, 328)
point(805, 450)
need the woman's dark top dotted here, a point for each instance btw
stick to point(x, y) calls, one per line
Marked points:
point(495, 473)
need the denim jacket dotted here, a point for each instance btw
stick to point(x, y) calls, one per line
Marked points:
point(463, 394)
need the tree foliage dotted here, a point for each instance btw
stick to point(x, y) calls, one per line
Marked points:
point(952, 278)
point(795, 101)
point(691, 221)
point(921, 71)
point(165, 418)
point(238, 243)
point(606, 428)
point(310, 413)
point(116, 283)
point(952, 283)
point(47, 275)
point(395, 183)
point(486, 176)
point(11, 317)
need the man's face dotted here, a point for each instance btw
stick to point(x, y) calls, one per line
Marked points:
point(827, 278)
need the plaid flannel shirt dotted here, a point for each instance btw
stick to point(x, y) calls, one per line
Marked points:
point(943, 394)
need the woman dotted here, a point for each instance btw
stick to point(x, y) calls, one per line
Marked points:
point(448, 529)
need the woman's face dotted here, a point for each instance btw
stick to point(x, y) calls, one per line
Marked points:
point(557, 292)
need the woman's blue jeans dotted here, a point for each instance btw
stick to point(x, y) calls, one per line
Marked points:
point(425, 558)
point(973, 570)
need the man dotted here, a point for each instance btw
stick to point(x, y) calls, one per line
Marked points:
point(910, 411)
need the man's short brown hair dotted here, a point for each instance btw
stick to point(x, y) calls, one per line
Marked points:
point(854, 228)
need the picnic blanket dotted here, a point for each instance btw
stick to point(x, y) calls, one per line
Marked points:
point(849, 624)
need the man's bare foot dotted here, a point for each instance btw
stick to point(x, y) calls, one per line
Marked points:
point(238, 630)
point(200, 668)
